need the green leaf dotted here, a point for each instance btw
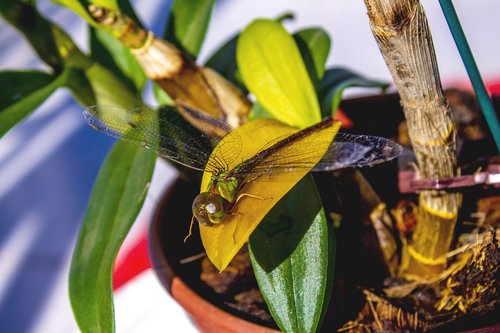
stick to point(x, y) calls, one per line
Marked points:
point(332, 251)
point(77, 7)
point(52, 44)
point(258, 111)
point(98, 85)
point(110, 90)
point(115, 56)
point(126, 8)
point(273, 70)
point(22, 92)
point(223, 61)
point(291, 259)
point(112, 4)
point(314, 46)
point(116, 200)
point(335, 81)
point(188, 23)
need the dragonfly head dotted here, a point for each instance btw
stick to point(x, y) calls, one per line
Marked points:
point(210, 208)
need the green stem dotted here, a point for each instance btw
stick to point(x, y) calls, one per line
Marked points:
point(471, 67)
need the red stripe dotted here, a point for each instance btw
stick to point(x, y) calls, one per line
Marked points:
point(135, 261)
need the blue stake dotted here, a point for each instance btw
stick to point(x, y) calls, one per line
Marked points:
point(471, 67)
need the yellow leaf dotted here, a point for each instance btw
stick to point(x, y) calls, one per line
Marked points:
point(223, 241)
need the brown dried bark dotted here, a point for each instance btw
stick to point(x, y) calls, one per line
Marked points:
point(402, 33)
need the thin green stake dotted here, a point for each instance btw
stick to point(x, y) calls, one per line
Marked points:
point(470, 65)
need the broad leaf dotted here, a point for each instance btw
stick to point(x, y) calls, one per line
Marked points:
point(188, 23)
point(108, 89)
point(115, 56)
point(291, 258)
point(117, 197)
point(223, 60)
point(51, 43)
point(116, 200)
point(314, 46)
point(225, 240)
point(273, 70)
point(22, 92)
point(98, 85)
point(335, 81)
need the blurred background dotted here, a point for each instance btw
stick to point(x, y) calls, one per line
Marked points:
point(49, 163)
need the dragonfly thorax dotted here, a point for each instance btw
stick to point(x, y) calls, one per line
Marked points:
point(224, 185)
point(210, 208)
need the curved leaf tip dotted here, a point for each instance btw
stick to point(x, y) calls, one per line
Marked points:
point(272, 68)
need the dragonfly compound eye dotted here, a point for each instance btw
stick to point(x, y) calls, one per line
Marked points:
point(209, 208)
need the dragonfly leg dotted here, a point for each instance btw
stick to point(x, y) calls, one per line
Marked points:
point(190, 230)
point(242, 195)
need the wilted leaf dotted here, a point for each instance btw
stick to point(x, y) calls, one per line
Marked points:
point(272, 69)
point(223, 241)
point(116, 199)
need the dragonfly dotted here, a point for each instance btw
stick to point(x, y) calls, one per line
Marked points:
point(212, 146)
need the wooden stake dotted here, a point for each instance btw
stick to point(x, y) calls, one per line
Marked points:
point(402, 33)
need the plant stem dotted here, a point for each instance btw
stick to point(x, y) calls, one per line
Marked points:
point(402, 33)
point(471, 67)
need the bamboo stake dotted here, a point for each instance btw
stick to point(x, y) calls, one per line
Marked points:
point(402, 33)
point(471, 67)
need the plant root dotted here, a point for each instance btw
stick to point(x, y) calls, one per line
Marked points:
point(469, 289)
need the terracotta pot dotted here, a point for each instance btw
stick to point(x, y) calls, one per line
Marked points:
point(169, 226)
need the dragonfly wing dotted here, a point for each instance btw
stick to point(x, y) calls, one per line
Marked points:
point(349, 150)
point(345, 150)
point(163, 131)
point(227, 150)
point(287, 156)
